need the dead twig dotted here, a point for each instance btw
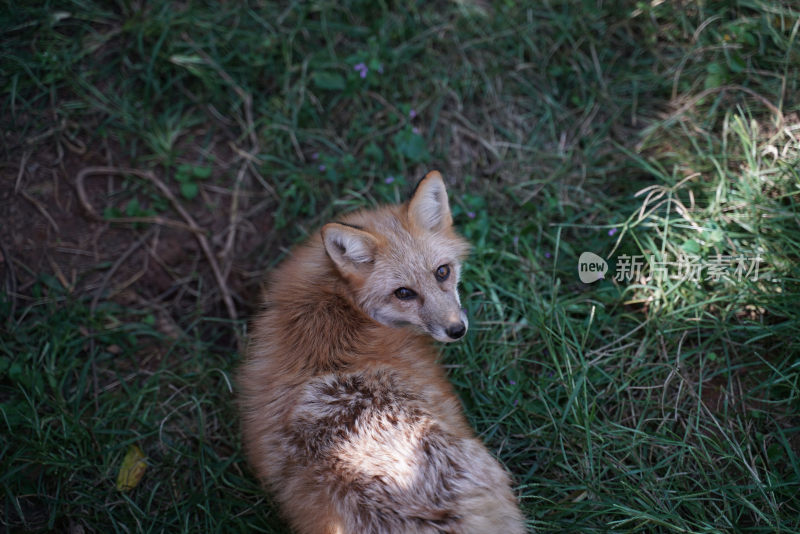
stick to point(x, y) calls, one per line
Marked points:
point(251, 160)
point(60, 275)
point(695, 99)
point(91, 213)
point(42, 210)
point(125, 255)
point(234, 219)
point(703, 94)
point(21, 172)
point(11, 279)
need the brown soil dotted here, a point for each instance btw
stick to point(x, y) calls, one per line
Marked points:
point(45, 230)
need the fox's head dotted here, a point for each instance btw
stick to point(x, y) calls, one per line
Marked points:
point(403, 262)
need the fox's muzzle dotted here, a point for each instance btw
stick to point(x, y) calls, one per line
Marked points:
point(456, 330)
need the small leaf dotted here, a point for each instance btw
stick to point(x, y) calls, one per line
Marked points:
point(330, 81)
point(15, 372)
point(132, 469)
point(110, 212)
point(132, 209)
point(374, 153)
point(189, 190)
point(774, 452)
point(713, 81)
point(735, 62)
point(717, 75)
point(691, 246)
point(201, 172)
point(183, 172)
point(411, 145)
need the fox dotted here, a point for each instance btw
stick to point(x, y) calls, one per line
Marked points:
point(347, 418)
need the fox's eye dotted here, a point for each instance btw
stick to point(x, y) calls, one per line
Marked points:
point(442, 272)
point(404, 293)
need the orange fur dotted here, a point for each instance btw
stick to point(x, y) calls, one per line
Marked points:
point(347, 418)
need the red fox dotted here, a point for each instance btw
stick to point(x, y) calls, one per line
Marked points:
point(347, 418)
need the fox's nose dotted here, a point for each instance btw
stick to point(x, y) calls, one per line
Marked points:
point(456, 330)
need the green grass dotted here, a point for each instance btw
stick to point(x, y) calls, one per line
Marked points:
point(647, 404)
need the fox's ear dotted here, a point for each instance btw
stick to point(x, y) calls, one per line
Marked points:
point(351, 249)
point(428, 207)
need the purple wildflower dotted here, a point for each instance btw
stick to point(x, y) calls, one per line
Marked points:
point(512, 382)
point(315, 155)
point(612, 231)
point(388, 180)
point(412, 114)
point(322, 168)
point(471, 214)
point(415, 130)
point(362, 69)
point(547, 254)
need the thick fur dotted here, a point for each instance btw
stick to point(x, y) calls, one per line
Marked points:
point(346, 416)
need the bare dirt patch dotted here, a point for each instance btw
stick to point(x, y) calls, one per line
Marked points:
point(152, 259)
